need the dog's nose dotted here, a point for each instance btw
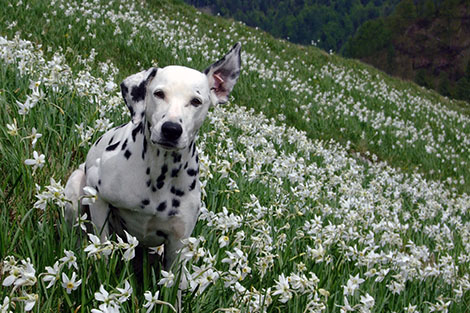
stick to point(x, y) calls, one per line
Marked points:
point(171, 131)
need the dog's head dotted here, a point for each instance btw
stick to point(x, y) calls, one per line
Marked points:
point(174, 100)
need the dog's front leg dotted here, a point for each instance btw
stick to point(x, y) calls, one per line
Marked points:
point(100, 217)
point(172, 247)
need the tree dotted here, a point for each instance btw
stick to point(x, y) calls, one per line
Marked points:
point(429, 9)
point(372, 36)
point(404, 14)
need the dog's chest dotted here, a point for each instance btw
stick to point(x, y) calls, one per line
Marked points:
point(148, 193)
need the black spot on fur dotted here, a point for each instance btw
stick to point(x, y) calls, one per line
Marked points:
point(111, 140)
point(193, 185)
point(127, 154)
point(99, 139)
point(177, 192)
point(149, 182)
point(175, 203)
point(206, 71)
point(144, 150)
point(145, 202)
point(138, 92)
point(175, 171)
point(161, 178)
point(112, 147)
point(148, 126)
point(191, 172)
point(120, 126)
point(161, 234)
point(197, 158)
point(176, 157)
point(154, 189)
point(124, 145)
point(147, 171)
point(136, 130)
point(186, 165)
point(124, 91)
point(161, 207)
point(173, 213)
point(97, 190)
point(99, 182)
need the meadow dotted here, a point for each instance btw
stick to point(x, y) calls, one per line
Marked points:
point(327, 185)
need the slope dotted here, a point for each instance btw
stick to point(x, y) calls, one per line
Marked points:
point(293, 220)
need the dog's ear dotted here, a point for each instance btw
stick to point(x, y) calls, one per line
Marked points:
point(223, 74)
point(134, 89)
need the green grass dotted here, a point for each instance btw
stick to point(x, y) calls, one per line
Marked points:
point(325, 166)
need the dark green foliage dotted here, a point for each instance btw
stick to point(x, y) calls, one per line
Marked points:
point(327, 24)
point(371, 37)
point(424, 40)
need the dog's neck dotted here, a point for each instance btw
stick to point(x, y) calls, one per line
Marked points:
point(163, 165)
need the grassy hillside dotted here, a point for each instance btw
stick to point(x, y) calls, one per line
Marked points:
point(328, 186)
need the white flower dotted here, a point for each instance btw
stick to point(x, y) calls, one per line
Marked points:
point(106, 308)
point(35, 136)
point(81, 221)
point(5, 305)
point(124, 293)
point(13, 128)
point(168, 279)
point(282, 288)
point(70, 259)
point(223, 241)
point(90, 195)
point(104, 296)
point(346, 307)
point(38, 160)
point(23, 275)
point(157, 250)
point(29, 300)
point(368, 301)
point(352, 284)
point(70, 284)
point(94, 248)
point(25, 107)
point(153, 299)
point(110, 86)
point(14, 274)
point(130, 246)
point(52, 275)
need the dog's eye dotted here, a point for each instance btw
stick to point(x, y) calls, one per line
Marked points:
point(159, 94)
point(196, 102)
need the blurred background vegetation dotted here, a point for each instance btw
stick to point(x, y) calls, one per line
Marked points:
point(427, 41)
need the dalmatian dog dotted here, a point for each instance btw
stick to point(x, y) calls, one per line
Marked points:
point(145, 172)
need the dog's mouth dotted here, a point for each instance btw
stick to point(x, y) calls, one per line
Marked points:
point(167, 145)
